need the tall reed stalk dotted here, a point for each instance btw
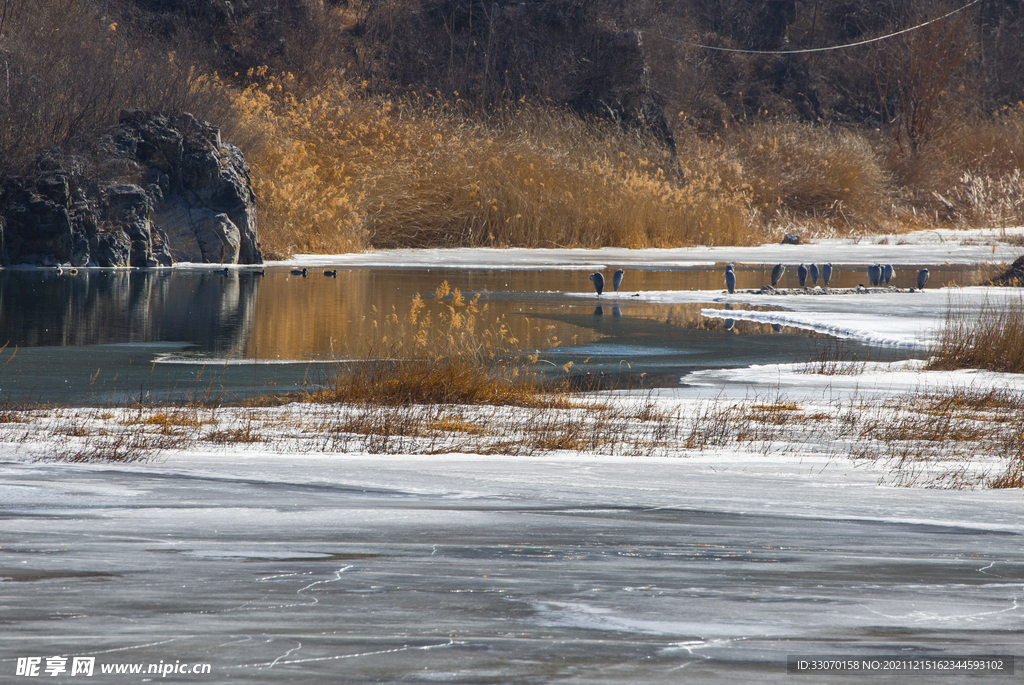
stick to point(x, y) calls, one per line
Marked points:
point(991, 338)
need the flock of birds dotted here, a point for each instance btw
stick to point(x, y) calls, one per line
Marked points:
point(878, 275)
point(598, 280)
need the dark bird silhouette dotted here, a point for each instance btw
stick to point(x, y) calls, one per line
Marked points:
point(813, 269)
point(874, 275)
point(299, 272)
point(617, 279)
point(777, 274)
point(730, 279)
point(333, 273)
point(922, 278)
point(826, 273)
point(801, 274)
point(887, 274)
point(222, 272)
point(598, 280)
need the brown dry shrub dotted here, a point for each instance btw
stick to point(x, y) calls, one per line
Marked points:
point(975, 175)
point(813, 172)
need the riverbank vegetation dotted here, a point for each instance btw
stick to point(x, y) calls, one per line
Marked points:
point(566, 123)
point(990, 337)
point(955, 438)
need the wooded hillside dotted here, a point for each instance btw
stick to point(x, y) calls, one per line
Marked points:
point(711, 96)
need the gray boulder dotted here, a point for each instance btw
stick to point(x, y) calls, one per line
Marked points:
point(151, 191)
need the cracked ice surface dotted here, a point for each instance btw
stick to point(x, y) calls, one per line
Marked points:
point(465, 568)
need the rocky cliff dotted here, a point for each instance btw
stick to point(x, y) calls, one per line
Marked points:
point(151, 191)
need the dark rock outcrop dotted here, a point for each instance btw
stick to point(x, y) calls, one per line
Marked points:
point(1013, 277)
point(151, 191)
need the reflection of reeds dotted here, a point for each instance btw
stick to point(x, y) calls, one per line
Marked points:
point(441, 352)
point(991, 338)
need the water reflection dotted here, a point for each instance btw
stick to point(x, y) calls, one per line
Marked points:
point(94, 307)
point(71, 330)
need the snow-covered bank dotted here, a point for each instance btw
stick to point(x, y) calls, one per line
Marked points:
point(880, 416)
point(890, 319)
point(976, 246)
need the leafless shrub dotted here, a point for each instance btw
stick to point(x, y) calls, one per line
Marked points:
point(68, 68)
point(915, 77)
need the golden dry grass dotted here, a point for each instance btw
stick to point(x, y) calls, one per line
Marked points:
point(342, 170)
point(990, 338)
point(969, 177)
point(828, 176)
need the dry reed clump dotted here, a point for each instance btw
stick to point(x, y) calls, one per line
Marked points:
point(969, 177)
point(342, 170)
point(986, 201)
point(441, 352)
point(826, 176)
point(990, 338)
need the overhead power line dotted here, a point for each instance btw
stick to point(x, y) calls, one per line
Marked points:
point(826, 49)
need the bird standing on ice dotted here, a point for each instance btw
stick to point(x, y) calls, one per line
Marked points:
point(777, 274)
point(730, 279)
point(617, 279)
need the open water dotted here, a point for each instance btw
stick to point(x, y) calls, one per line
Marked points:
point(105, 335)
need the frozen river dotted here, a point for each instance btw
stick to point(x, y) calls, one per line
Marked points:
point(470, 569)
point(714, 567)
